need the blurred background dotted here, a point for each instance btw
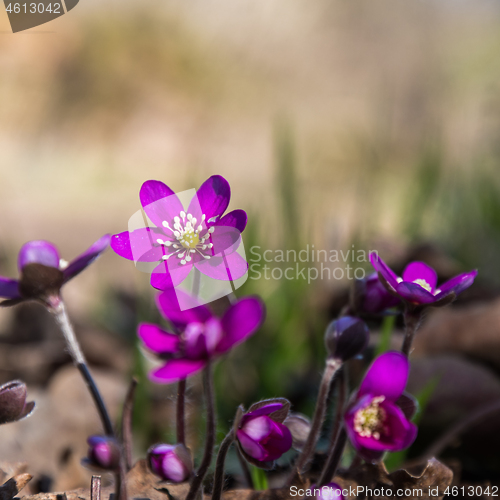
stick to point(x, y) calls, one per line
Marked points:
point(373, 124)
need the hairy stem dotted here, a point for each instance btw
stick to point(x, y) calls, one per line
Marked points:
point(127, 414)
point(340, 403)
point(219, 465)
point(198, 477)
point(331, 368)
point(180, 413)
point(412, 321)
point(333, 461)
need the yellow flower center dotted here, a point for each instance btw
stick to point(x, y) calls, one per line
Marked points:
point(423, 284)
point(190, 238)
point(369, 421)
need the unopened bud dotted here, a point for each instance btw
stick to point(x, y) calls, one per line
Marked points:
point(13, 405)
point(170, 462)
point(104, 453)
point(346, 337)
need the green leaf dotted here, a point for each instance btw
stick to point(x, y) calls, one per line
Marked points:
point(259, 478)
point(385, 335)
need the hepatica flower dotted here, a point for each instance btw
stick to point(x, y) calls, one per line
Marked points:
point(42, 271)
point(417, 286)
point(203, 336)
point(377, 419)
point(179, 238)
point(103, 453)
point(170, 462)
point(371, 296)
point(261, 435)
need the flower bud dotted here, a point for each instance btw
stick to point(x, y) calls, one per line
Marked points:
point(300, 427)
point(170, 462)
point(13, 405)
point(346, 337)
point(104, 453)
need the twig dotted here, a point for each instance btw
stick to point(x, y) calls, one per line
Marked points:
point(180, 416)
point(95, 488)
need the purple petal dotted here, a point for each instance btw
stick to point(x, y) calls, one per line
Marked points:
point(176, 369)
point(235, 218)
point(77, 265)
point(165, 276)
point(212, 199)
point(381, 267)
point(420, 271)
point(38, 252)
point(228, 268)
point(158, 340)
point(457, 284)
point(139, 245)
point(250, 446)
point(414, 293)
point(159, 202)
point(263, 410)
point(181, 308)
point(240, 321)
point(279, 441)
point(257, 428)
point(9, 288)
point(225, 239)
point(387, 376)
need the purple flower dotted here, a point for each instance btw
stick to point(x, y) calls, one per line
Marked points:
point(377, 419)
point(104, 453)
point(372, 297)
point(346, 337)
point(170, 462)
point(179, 238)
point(261, 435)
point(43, 273)
point(13, 405)
point(330, 491)
point(203, 336)
point(418, 283)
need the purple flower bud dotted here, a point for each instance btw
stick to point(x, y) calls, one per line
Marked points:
point(104, 453)
point(330, 491)
point(346, 337)
point(170, 462)
point(13, 405)
point(261, 435)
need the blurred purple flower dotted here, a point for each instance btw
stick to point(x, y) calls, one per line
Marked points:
point(373, 297)
point(43, 273)
point(170, 462)
point(180, 239)
point(202, 337)
point(418, 283)
point(103, 454)
point(377, 419)
point(330, 491)
point(261, 435)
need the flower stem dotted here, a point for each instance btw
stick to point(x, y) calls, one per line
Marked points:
point(412, 321)
point(340, 403)
point(56, 306)
point(127, 414)
point(333, 461)
point(197, 480)
point(219, 465)
point(332, 366)
point(96, 395)
point(245, 469)
point(180, 416)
